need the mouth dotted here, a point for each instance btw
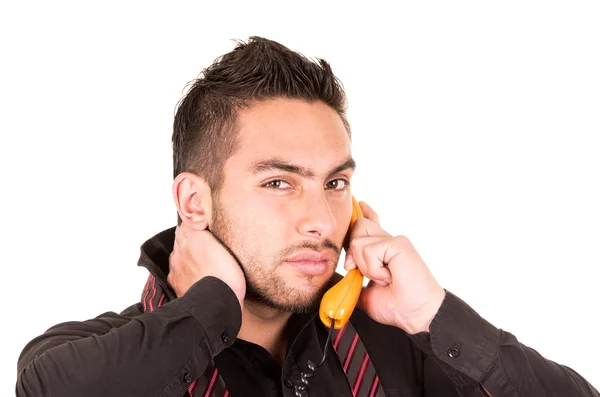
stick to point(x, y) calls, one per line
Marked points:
point(310, 268)
point(311, 263)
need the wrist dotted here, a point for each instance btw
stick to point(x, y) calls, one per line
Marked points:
point(421, 321)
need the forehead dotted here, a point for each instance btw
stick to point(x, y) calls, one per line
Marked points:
point(310, 134)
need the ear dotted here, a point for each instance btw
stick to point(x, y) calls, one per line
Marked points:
point(193, 199)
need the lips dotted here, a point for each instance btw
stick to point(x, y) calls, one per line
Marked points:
point(311, 256)
point(311, 263)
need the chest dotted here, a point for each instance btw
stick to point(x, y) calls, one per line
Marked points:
point(353, 366)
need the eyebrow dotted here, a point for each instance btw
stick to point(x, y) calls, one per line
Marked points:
point(277, 164)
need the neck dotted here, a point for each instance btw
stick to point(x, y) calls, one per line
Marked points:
point(265, 327)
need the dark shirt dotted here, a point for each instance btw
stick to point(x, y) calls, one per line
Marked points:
point(162, 352)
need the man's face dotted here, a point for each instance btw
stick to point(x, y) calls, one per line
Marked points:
point(285, 204)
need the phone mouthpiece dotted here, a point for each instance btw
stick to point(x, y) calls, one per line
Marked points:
point(339, 302)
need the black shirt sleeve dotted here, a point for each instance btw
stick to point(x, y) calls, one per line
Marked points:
point(474, 354)
point(157, 353)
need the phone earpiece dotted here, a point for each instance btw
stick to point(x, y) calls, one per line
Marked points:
point(339, 302)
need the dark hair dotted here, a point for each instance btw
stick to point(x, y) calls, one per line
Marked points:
point(204, 133)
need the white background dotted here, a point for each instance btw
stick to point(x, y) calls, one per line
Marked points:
point(475, 131)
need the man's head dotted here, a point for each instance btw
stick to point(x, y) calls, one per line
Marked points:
point(262, 159)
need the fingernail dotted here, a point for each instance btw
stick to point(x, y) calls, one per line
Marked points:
point(349, 262)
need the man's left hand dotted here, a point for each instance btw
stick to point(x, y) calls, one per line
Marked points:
point(402, 291)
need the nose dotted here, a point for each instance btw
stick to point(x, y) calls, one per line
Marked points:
point(317, 220)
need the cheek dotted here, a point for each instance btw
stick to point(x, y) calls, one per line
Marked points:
point(262, 233)
point(265, 216)
point(342, 219)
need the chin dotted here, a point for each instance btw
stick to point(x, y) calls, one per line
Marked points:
point(299, 297)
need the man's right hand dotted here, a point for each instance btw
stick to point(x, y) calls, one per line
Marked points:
point(198, 254)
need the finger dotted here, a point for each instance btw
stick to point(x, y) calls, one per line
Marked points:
point(176, 245)
point(355, 258)
point(179, 235)
point(349, 263)
point(364, 227)
point(187, 230)
point(369, 212)
point(364, 254)
point(376, 269)
point(393, 247)
point(380, 283)
point(173, 261)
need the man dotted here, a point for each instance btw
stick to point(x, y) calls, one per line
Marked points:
point(262, 167)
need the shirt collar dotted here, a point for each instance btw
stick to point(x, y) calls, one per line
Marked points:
point(154, 256)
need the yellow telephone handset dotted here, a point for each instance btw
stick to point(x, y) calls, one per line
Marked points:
point(338, 303)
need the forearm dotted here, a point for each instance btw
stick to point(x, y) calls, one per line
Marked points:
point(523, 371)
point(477, 355)
point(149, 355)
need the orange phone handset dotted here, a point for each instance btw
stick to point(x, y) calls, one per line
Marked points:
point(339, 302)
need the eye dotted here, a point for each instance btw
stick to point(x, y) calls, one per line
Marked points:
point(338, 184)
point(276, 184)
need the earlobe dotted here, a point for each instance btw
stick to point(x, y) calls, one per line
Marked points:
point(193, 200)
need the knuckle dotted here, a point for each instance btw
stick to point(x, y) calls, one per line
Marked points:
point(371, 266)
point(357, 223)
point(369, 250)
point(402, 240)
point(355, 245)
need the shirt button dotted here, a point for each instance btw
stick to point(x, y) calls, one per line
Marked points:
point(188, 378)
point(288, 383)
point(225, 337)
point(453, 352)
